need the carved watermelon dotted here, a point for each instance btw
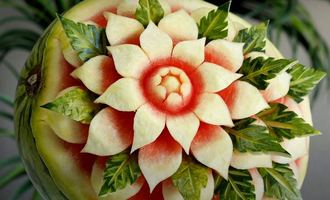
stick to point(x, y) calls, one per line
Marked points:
point(168, 99)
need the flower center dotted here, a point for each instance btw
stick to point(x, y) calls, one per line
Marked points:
point(171, 86)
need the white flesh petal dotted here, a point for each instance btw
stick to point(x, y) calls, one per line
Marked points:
point(121, 29)
point(91, 73)
point(212, 110)
point(123, 194)
point(250, 160)
point(156, 43)
point(130, 60)
point(258, 183)
point(278, 87)
point(65, 128)
point(70, 55)
point(229, 54)
point(245, 100)
point(160, 160)
point(199, 13)
point(179, 26)
point(215, 77)
point(183, 129)
point(123, 95)
point(148, 125)
point(255, 54)
point(213, 147)
point(108, 133)
point(191, 52)
point(297, 148)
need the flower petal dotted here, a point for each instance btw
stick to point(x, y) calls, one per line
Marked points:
point(97, 181)
point(191, 52)
point(199, 13)
point(213, 110)
point(250, 160)
point(121, 29)
point(123, 95)
point(156, 43)
point(110, 132)
point(258, 183)
point(243, 100)
point(97, 74)
point(215, 77)
point(183, 129)
point(148, 125)
point(67, 129)
point(225, 53)
point(213, 147)
point(278, 87)
point(130, 60)
point(170, 192)
point(160, 159)
point(179, 26)
point(297, 148)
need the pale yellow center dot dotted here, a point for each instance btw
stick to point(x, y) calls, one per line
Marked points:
point(171, 85)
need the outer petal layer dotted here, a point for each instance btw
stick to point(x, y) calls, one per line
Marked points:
point(130, 60)
point(215, 77)
point(97, 181)
point(183, 129)
point(297, 148)
point(212, 110)
point(156, 43)
point(122, 29)
point(278, 87)
point(160, 159)
point(123, 95)
point(250, 160)
point(213, 147)
point(180, 26)
point(110, 132)
point(97, 74)
point(148, 125)
point(224, 53)
point(191, 52)
point(258, 183)
point(243, 100)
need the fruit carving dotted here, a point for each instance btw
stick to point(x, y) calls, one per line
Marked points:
point(162, 99)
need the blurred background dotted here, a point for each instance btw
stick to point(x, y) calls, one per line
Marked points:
point(300, 28)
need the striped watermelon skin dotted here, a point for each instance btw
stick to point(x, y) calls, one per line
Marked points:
point(28, 88)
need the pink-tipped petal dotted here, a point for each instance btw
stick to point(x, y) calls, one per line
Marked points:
point(258, 183)
point(250, 160)
point(208, 192)
point(225, 53)
point(121, 29)
point(179, 26)
point(212, 110)
point(183, 129)
point(278, 87)
point(110, 132)
point(215, 77)
point(124, 95)
point(97, 181)
point(130, 60)
point(160, 159)
point(243, 100)
point(191, 52)
point(156, 43)
point(148, 125)
point(97, 74)
point(297, 148)
point(213, 147)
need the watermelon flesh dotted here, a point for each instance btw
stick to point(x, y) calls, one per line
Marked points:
point(166, 86)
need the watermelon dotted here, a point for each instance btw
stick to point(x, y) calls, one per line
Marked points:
point(160, 100)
